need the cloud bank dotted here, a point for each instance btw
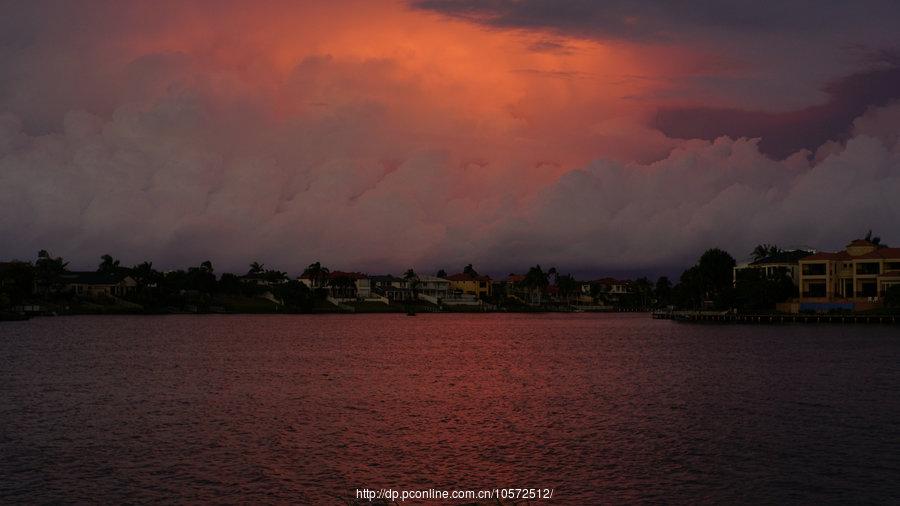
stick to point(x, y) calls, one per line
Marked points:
point(293, 133)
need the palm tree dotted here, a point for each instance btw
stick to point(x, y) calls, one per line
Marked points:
point(441, 273)
point(876, 240)
point(256, 268)
point(108, 265)
point(762, 251)
point(470, 271)
point(48, 271)
point(536, 282)
point(412, 279)
point(274, 276)
point(567, 286)
point(316, 274)
point(342, 286)
point(643, 289)
point(144, 273)
point(663, 290)
point(206, 266)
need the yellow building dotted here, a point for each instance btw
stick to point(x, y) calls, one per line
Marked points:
point(859, 275)
point(472, 285)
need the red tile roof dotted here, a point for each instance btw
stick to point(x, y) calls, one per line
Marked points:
point(824, 255)
point(611, 281)
point(882, 253)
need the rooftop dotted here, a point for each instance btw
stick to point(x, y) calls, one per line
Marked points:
point(784, 257)
point(825, 255)
point(882, 253)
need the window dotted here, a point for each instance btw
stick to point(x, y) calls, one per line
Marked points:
point(893, 266)
point(867, 289)
point(868, 268)
point(815, 290)
point(814, 269)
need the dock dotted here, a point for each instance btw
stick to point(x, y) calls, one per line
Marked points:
point(729, 317)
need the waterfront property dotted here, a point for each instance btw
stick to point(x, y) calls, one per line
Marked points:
point(786, 262)
point(610, 290)
point(392, 288)
point(855, 278)
point(430, 288)
point(98, 283)
point(468, 284)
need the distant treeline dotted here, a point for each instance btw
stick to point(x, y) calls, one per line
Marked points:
point(709, 284)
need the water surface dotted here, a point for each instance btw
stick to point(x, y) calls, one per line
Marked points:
point(306, 409)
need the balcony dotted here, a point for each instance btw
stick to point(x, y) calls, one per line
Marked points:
point(814, 270)
point(868, 269)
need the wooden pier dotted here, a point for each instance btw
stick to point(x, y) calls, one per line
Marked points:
point(714, 317)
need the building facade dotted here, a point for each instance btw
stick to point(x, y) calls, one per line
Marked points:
point(471, 285)
point(787, 262)
point(858, 275)
point(93, 284)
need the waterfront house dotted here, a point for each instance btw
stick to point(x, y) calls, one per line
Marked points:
point(787, 262)
point(431, 288)
point(468, 284)
point(514, 288)
point(610, 290)
point(348, 285)
point(340, 284)
point(854, 278)
point(391, 287)
point(98, 283)
point(262, 279)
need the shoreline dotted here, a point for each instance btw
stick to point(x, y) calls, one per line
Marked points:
point(700, 317)
point(26, 316)
point(681, 317)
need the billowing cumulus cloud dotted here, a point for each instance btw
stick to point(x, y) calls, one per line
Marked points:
point(373, 136)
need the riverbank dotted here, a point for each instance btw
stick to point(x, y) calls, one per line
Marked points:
point(717, 317)
point(90, 308)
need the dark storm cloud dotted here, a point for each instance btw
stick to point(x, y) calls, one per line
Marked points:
point(784, 133)
point(240, 131)
point(665, 19)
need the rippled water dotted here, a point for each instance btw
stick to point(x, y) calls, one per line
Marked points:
point(306, 409)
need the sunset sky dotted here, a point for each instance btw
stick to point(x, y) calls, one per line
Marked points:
point(599, 137)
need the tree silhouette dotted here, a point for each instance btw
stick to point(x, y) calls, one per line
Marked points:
point(412, 280)
point(108, 265)
point(48, 272)
point(876, 240)
point(316, 273)
point(536, 281)
point(663, 290)
point(567, 286)
point(144, 273)
point(762, 251)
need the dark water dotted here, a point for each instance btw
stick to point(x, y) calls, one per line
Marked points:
point(306, 409)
